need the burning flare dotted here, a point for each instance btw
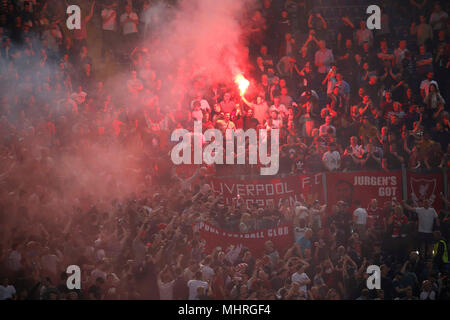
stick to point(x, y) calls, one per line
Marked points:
point(242, 83)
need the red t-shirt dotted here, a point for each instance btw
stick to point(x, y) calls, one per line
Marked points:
point(332, 279)
point(398, 222)
point(80, 34)
point(375, 217)
point(217, 284)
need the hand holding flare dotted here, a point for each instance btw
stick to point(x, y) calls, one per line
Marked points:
point(242, 83)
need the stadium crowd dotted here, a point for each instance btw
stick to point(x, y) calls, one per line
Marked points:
point(87, 178)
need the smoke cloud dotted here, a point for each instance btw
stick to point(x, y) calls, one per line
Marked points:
point(192, 45)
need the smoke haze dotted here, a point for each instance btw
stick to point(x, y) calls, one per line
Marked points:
point(197, 43)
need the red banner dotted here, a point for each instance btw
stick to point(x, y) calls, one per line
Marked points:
point(282, 238)
point(265, 192)
point(364, 186)
point(426, 186)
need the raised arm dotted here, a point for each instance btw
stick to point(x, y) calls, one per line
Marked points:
point(89, 17)
point(310, 21)
point(446, 201)
point(407, 206)
point(324, 23)
point(247, 102)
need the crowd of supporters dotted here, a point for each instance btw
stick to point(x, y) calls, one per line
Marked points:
point(86, 177)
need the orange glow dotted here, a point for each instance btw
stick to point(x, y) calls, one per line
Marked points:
point(242, 83)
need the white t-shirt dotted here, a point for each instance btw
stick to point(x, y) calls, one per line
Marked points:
point(188, 274)
point(426, 219)
point(53, 36)
point(361, 216)
point(146, 16)
point(283, 111)
point(299, 233)
point(197, 115)
point(50, 263)
point(13, 261)
point(302, 212)
point(332, 159)
point(275, 124)
point(296, 277)
point(316, 217)
point(166, 290)
point(79, 97)
point(428, 295)
point(134, 85)
point(324, 58)
point(204, 105)
point(193, 286)
point(436, 17)
point(7, 292)
point(97, 273)
point(363, 35)
point(207, 273)
point(355, 150)
point(400, 55)
point(425, 85)
point(129, 27)
point(324, 128)
point(110, 24)
point(260, 111)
